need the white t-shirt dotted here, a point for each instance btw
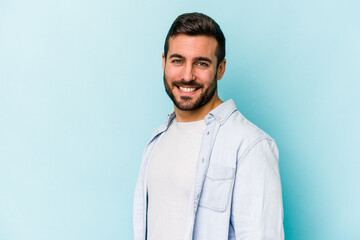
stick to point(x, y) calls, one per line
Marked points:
point(170, 180)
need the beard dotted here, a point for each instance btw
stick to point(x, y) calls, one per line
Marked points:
point(188, 103)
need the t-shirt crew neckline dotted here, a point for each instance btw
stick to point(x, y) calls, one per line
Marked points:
point(199, 122)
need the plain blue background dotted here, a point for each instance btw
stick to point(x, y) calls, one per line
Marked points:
point(81, 92)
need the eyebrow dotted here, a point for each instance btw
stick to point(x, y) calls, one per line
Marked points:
point(203, 59)
point(175, 55)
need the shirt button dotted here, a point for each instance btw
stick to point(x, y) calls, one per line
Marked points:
point(203, 160)
point(221, 120)
point(208, 133)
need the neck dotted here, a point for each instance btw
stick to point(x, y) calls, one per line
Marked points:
point(197, 114)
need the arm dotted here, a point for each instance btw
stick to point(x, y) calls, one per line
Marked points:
point(257, 208)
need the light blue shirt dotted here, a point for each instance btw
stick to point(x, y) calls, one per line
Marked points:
point(237, 191)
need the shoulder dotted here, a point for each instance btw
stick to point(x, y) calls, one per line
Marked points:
point(238, 127)
point(233, 124)
point(241, 134)
point(163, 127)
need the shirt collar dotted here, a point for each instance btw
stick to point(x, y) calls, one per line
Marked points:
point(163, 127)
point(221, 113)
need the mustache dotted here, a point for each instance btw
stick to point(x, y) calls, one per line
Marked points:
point(187, 83)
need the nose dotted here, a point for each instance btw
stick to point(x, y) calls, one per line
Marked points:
point(187, 73)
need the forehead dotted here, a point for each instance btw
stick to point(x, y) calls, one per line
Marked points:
point(192, 46)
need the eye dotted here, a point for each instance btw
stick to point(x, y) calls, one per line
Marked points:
point(202, 64)
point(176, 61)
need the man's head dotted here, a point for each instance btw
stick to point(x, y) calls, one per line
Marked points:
point(196, 24)
point(193, 61)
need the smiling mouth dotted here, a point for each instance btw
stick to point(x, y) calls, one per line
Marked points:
point(187, 89)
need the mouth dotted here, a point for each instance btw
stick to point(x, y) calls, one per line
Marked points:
point(187, 90)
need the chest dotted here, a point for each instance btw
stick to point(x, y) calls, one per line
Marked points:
point(172, 166)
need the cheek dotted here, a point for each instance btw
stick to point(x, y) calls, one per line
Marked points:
point(205, 77)
point(172, 73)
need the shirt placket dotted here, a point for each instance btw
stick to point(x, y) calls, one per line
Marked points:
point(204, 158)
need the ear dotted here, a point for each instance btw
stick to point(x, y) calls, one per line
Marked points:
point(221, 69)
point(163, 62)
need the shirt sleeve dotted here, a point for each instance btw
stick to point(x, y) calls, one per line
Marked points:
point(257, 207)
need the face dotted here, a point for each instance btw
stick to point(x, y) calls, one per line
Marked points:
point(191, 72)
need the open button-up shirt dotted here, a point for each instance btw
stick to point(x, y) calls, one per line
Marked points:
point(237, 188)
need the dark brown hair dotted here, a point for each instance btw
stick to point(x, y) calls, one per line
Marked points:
point(194, 24)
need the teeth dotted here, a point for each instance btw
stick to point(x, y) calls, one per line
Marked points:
point(186, 89)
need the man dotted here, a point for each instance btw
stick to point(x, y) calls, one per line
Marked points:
point(207, 172)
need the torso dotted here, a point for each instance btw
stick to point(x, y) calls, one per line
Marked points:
point(170, 180)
